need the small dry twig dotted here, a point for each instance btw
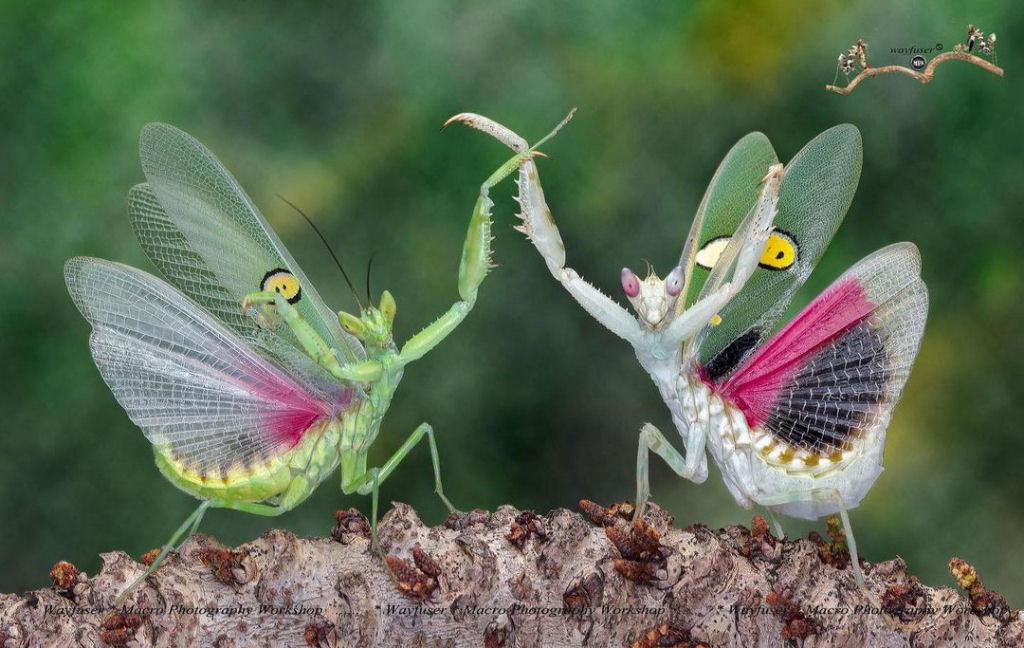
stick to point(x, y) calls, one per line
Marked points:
point(349, 524)
point(118, 629)
point(666, 636)
point(834, 553)
point(321, 634)
point(227, 565)
point(903, 600)
point(641, 550)
point(607, 516)
point(63, 575)
point(857, 56)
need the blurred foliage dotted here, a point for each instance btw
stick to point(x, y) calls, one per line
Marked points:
point(338, 107)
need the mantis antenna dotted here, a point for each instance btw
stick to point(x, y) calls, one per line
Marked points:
point(323, 239)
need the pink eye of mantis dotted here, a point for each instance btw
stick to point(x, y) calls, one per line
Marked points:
point(630, 284)
point(674, 282)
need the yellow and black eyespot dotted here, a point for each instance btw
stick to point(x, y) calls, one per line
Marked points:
point(779, 252)
point(283, 282)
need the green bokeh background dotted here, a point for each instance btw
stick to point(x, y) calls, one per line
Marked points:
point(534, 403)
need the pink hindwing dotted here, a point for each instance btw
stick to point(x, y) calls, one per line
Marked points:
point(198, 391)
point(839, 365)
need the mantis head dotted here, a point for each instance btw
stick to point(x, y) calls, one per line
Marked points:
point(653, 298)
point(373, 326)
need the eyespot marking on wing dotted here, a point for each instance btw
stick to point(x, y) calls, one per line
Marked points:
point(780, 252)
point(283, 282)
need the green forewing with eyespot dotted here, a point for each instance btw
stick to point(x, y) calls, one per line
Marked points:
point(192, 208)
point(730, 195)
point(815, 193)
point(171, 252)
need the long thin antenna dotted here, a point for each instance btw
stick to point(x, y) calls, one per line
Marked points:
point(328, 246)
point(369, 266)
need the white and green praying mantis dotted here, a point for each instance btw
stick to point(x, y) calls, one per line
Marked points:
point(795, 420)
point(251, 390)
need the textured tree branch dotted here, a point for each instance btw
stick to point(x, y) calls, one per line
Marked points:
point(506, 579)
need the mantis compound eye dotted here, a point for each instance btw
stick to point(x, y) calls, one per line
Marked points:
point(352, 324)
point(630, 283)
point(674, 282)
point(388, 305)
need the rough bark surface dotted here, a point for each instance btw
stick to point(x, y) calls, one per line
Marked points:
point(503, 579)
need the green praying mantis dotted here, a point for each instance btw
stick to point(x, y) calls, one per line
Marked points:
point(251, 390)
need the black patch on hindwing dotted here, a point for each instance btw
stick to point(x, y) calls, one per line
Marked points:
point(835, 395)
point(726, 360)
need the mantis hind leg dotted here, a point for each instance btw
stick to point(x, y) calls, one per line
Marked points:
point(374, 542)
point(191, 524)
point(187, 528)
point(375, 484)
point(776, 525)
point(851, 543)
point(823, 495)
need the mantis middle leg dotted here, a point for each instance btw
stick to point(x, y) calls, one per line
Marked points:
point(369, 482)
point(190, 524)
point(652, 440)
point(776, 525)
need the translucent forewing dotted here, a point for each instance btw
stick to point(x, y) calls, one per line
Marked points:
point(172, 253)
point(196, 390)
point(816, 192)
point(732, 192)
point(212, 218)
